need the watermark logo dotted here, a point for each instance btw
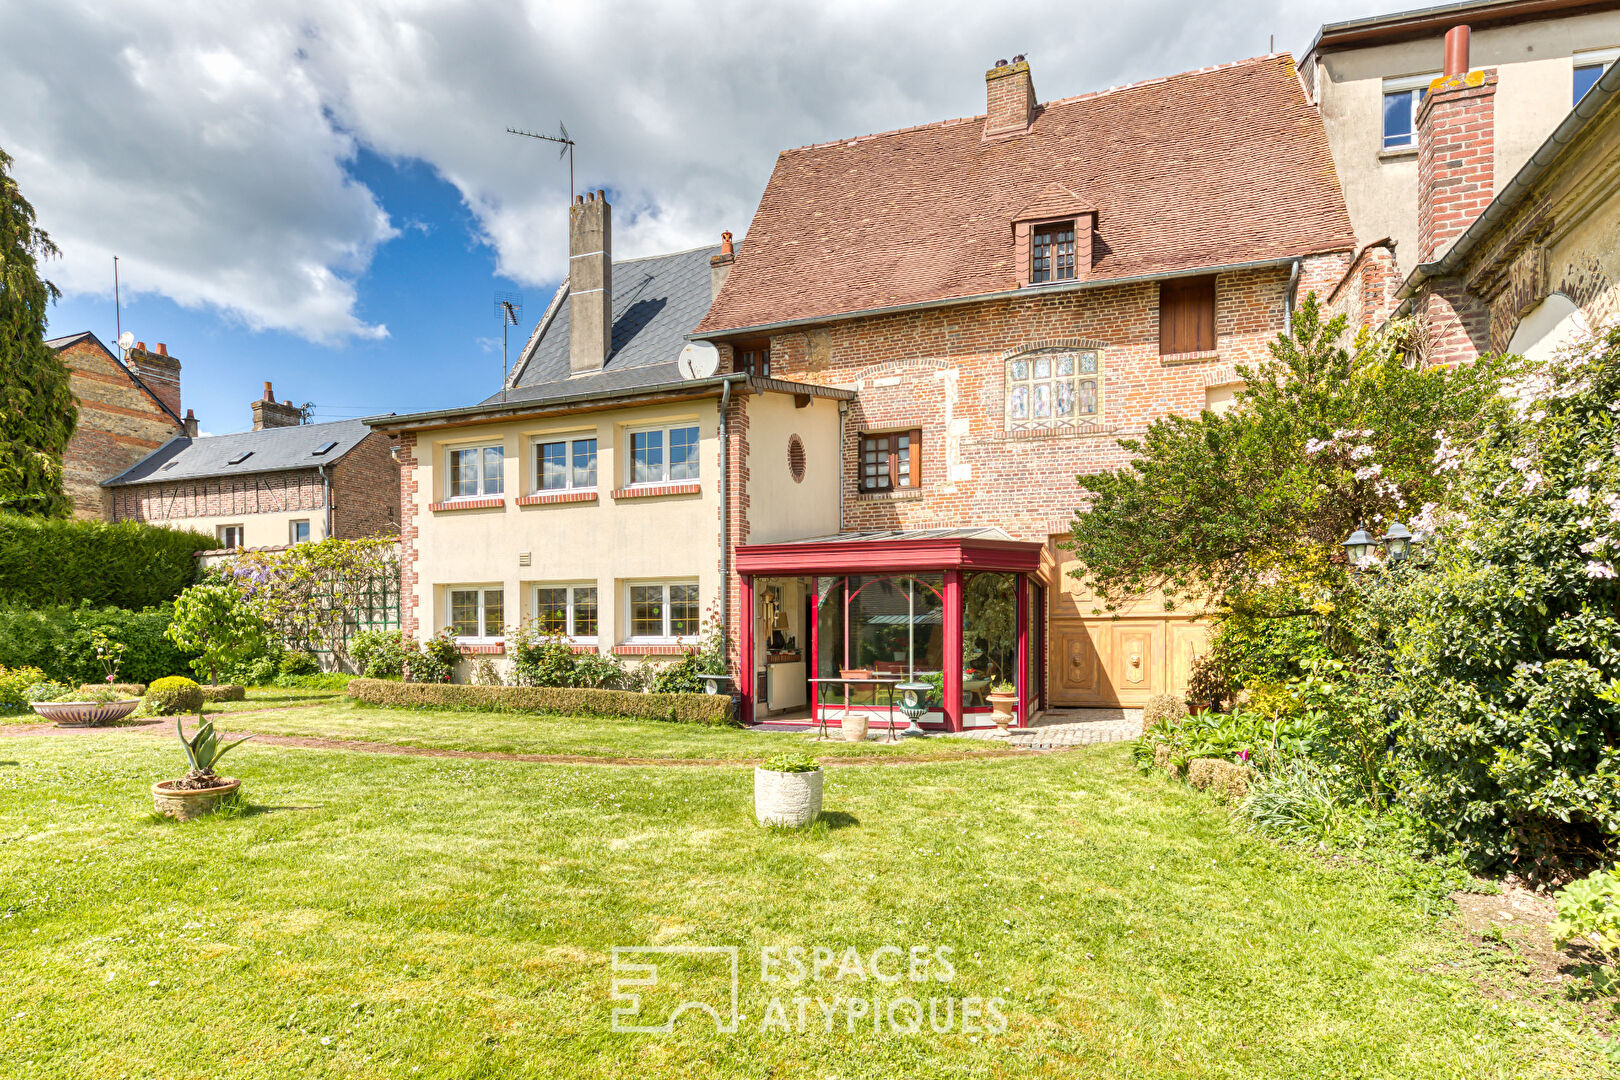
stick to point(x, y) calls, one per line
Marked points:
point(714, 965)
point(892, 989)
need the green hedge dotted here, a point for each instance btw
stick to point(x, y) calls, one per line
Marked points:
point(57, 640)
point(45, 562)
point(711, 709)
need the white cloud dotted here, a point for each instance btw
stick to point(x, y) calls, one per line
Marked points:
point(207, 144)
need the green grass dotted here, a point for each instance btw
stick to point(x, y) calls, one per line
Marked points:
point(591, 736)
point(273, 697)
point(379, 916)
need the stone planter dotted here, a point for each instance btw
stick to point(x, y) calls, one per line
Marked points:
point(183, 805)
point(84, 713)
point(854, 726)
point(1001, 711)
point(786, 798)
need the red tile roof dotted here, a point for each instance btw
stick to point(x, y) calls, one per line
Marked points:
point(1209, 168)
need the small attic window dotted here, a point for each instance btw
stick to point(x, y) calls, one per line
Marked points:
point(239, 458)
point(168, 465)
point(325, 448)
point(1051, 252)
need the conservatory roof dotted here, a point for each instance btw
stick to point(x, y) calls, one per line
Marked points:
point(981, 548)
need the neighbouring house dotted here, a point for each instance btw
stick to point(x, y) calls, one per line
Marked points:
point(1369, 78)
point(1008, 295)
point(927, 335)
point(128, 407)
point(281, 483)
point(593, 493)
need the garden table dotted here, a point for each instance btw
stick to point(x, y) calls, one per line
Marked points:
point(872, 681)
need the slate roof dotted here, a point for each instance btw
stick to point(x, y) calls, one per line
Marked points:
point(1213, 167)
point(273, 449)
point(657, 301)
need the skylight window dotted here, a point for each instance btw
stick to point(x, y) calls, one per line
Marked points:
point(239, 458)
point(325, 448)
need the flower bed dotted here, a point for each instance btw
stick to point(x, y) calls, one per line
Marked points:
point(711, 709)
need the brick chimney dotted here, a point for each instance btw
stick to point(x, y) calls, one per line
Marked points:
point(269, 413)
point(1456, 149)
point(159, 371)
point(191, 424)
point(1009, 98)
point(590, 282)
point(720, 265)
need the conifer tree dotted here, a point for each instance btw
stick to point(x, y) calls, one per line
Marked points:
point(37, 410)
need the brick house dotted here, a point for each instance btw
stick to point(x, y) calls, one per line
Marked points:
point(926, 337)
point(281, 483)
point(127, 409)
point(1008, 295)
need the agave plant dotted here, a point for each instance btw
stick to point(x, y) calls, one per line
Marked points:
point(203, 750)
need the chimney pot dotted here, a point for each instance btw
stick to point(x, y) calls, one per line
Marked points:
point(162, 349)
point(1456, 51)
point(141, 345)
point(725, 243)
point(269, 395)
point(1001, 63)
point(1019, 59)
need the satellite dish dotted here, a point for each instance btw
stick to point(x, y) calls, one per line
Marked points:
point(698, 360)
point(126, 340)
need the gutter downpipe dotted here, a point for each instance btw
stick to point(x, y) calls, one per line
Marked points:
point(843, 411)
point(1288, 298)
point(326, 498)
point(725, 537)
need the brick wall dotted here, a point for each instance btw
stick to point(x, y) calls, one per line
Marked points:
point(365, 490)
point(119, 424)
point(737, 498)
point(262, 493)
point(409, 553)
point(943, 370)
point(1456, 157)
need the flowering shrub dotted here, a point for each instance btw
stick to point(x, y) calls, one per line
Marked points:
point(1503, 649)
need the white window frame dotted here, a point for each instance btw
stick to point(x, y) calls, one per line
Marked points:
point(220, 532)
point(665, 428)
point(482, 492)
point(1405, 83)
point(483, 590)
point(568, 440)
point(1599, 58)
point(292, 531)
point(665, 638)
point(571, 586)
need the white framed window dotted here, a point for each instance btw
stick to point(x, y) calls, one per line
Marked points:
point(1402, 99)
point(298, 531)
point(663, 455)
point(476, 612)
point(473, 471)
point(1589, 68)
point(230, 536)
point(661, 611)
point(567, 610)
point(564, 464)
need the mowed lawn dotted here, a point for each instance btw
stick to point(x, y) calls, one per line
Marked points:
point(377, 916)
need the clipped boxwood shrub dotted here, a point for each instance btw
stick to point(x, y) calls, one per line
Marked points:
point(222, 692)
point(710, 709)
point(58, 641)
point(126, 564)
point(172, 696)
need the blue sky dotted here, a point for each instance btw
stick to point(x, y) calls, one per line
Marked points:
point(432, 285)
point(324, 195)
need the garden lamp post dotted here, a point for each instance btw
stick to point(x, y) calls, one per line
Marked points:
point(1358, 545)
point(1397, 541)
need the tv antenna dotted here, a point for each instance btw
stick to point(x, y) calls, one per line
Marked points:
point(508, 306)
point(567, 148)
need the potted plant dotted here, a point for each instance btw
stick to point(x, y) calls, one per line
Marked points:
point(86, 707)
point(787, 789)
point(201, 790)
point(1002, 697)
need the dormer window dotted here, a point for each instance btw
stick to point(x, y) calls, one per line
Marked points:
point(752, 358)
point(1051, 252)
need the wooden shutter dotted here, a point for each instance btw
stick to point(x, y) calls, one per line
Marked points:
point(1187, 315)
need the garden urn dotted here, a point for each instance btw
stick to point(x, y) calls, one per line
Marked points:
point(1001, 708)
point(786, 798)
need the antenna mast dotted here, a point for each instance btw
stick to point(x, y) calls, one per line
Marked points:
point(118, 314)
point(567, 148)
point(508, 306)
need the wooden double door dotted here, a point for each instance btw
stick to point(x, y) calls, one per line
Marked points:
point(1104, 660)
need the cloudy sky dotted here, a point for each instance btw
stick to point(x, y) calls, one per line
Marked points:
point(323, 194)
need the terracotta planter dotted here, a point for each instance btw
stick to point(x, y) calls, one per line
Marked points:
point(84, 713)
point(786, 798)
point(1001, 706)
point(854, 726)
point(183, 805)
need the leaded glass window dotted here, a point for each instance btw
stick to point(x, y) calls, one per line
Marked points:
point(1053, 389)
